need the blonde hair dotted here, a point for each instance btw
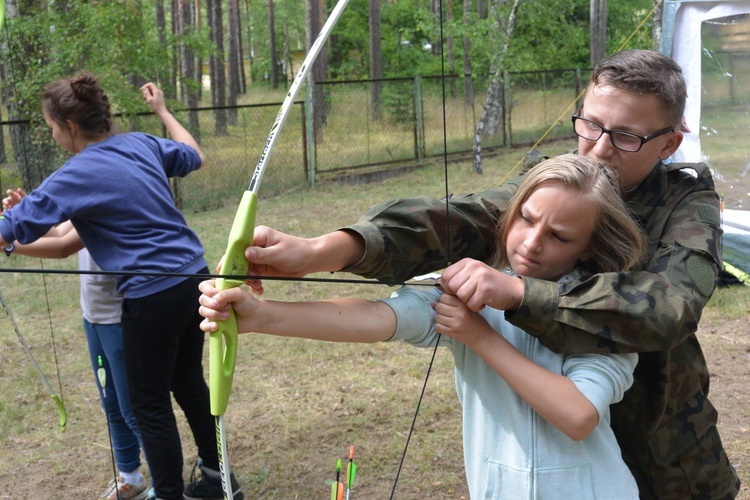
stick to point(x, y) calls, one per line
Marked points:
point(618, 242)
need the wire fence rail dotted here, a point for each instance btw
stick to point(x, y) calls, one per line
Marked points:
point(356, 137)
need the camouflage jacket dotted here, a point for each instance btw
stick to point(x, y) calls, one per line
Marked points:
point(665, 424)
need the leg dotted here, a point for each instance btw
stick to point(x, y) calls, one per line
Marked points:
point(102, 345)
point(111, 341)
point(188, 385)
point(150, 341)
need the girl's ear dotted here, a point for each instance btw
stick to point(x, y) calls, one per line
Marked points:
point(586, 254)
point(72, 127)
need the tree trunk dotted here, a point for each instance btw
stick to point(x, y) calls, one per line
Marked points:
point(597, 30)
point(435, 6)
point(466, 44)
point(198, 67)
point(249, 45)
point(481, 9)
point(451, 51)
point(241, 51)
point(187, 69)
point(493, 104)
point(216, 64)
point(4, 97)
point(176, 48)
point(162, 75)
point(318, 70)
point(658, 14)
point(272, 46)
point(376, 61)
point(234, 60)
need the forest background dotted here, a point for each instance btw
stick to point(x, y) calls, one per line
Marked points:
point(219, 54)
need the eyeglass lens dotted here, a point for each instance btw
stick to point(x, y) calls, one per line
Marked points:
point(593, 131)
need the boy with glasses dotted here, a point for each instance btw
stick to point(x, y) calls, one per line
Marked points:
point(630, 119)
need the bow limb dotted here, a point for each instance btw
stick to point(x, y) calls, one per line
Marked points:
point(223, 342)
point(58, 401)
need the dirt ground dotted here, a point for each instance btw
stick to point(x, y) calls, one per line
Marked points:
point(726, 344)
point(43, 465)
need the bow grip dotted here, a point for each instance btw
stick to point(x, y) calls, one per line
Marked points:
point(223, 342)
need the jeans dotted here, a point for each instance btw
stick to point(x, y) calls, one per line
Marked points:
point(105, 341)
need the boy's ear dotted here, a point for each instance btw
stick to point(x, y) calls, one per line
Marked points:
point(672, 144)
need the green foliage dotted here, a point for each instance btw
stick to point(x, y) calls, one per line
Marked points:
point(289, 24)
point(398, 102)
point(350, 43)
point(538, 24)
point(622, 21)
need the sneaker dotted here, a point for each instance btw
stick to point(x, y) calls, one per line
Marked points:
point(120, 490)
point(206, 485)
point(110, 488)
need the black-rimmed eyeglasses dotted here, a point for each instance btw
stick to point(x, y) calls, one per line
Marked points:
point(622, 140)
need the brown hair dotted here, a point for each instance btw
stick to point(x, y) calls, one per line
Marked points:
point(617, 244)
point(645, 72)
point(81, 100)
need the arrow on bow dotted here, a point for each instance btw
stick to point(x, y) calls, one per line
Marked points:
point(223, 342)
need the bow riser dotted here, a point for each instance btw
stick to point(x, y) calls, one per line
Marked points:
point(223, 342)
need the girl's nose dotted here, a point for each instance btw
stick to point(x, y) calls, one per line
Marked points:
point(533, 241)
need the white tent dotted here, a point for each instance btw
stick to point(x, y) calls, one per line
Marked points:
point(681, 40)
point(682, 23)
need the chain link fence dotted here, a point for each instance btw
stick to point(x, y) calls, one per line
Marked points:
point(418, 119)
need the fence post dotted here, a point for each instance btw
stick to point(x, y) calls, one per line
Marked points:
point(418, 120)
point(310, 137)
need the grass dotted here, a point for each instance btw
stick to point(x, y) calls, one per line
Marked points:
point(296, 405)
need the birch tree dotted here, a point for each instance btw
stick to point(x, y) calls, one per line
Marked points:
point(493, 108)
point(597, 30)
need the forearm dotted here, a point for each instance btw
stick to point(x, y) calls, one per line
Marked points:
point(60, 242)
point(612, 312)
point(554, 396)
point(47, 248)
point(411, 236)
point(335, 251)
point(340, 320)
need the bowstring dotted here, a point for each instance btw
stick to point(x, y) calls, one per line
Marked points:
point(25, 156)
point(447, 251)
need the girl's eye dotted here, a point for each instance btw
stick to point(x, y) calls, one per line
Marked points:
point(560, 238)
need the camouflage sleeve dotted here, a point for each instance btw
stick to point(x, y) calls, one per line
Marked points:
point(650, 310)
point(407, 237)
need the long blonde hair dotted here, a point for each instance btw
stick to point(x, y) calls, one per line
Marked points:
point(618, 242)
